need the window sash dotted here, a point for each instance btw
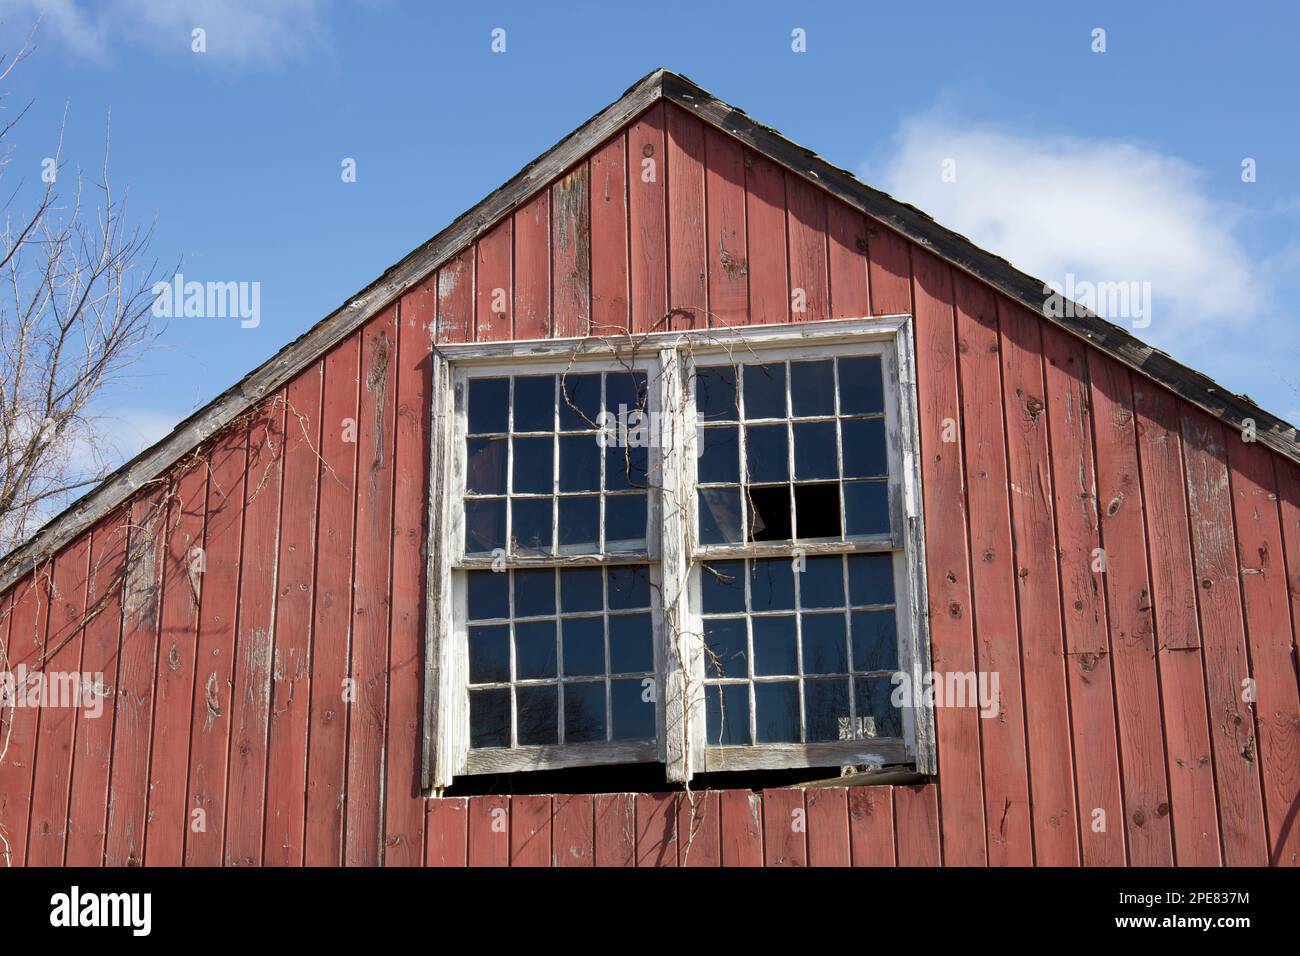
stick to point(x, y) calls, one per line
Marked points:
point(680, 712)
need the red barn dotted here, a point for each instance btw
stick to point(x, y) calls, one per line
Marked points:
point(682, 472)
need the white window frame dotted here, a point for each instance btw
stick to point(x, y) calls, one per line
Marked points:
point(680, 711)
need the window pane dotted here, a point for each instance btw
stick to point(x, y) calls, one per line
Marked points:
point(489, 405)
point(821, 583)
point(534, 593)
point(535, 403)
point(489, 654)
point(826, 710)
point(579, 524)
point(727, 711)
point(531, 524)
point(633, 717)
point(771, 585)
point(719, 514)
point(539, 715)
point(625, 468)
point(767, 454)
point(825, 650)
point(489, 718)
point(629, 587)
point(861, 386)
point(875, 641)
point(532, 466)
point(817, 510)
point(722, 587)
point(872, 698)
point(725, 648)
point(814, 451)
point(625, 392)
point(715, 393)
point(871, 579)
point(774, 646)
point(488, 595)
point(584, 646)
point(485, 466)
point(579, 402)
point(631, 644)
point(812, 388)
point(863, 442)
point(580, 590)
point(866, 507)
point(579, 463)
point(764, 391)
point(485, 525)
point(720, 454)
point(777, 712)
point(769, 513)
point(625, 523)
point(535, 650)
point(584, 712)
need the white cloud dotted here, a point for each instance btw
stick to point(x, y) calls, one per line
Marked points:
point(244, 31)
point(1103, 211)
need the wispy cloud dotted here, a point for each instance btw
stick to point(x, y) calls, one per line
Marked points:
point(255, 32)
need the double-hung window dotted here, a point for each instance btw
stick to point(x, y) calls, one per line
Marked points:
point(701, 549)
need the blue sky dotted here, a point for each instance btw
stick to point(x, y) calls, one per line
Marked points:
point(1117, 166)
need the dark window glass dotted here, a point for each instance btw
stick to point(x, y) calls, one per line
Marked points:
point(489, 405)
point(720, 456)
point(488, 595)
point(871, 579)
point(485, 466)
point(579, 524)
point(489, 654)
point(489, 718)
point(580, 590)
point(872, 698)
point(535, 403)
point(727, 712)
point(866, 507)
point(725, 647)
point(579, 463)
point(532, 472)
point(875, 641)
point(764, 391)
point(584, 646)
point(531, 527)
point(485, 525)
point(722, 587)
point(715, 393)
point(579, 402)
point(826, 714)
point(719, 514)
point(534, 593)
point(774, 646)
point(812, 388)
point(631, 644)
point(535, 650)
point(766, 453)
point(776, 712)
point(625, 467)
point(825, 650)
point(625, 523)
point(632, 717)
point(863, 441)
point(625, 392)
point(539, 715)
point(814, 451)
point(584, 712)
point(629, 587)
point(771, 585)
point(821, 582)
point(861, 386)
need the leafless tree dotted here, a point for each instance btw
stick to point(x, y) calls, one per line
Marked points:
point(75, 311)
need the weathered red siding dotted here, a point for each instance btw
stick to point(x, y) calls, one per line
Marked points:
point(1123, 737)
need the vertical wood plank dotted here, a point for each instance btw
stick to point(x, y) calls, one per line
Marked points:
point(255, 641)
point(493, 286)
point(656, 829)
point(765, 222)
point(888, 270)
point(647, 172)
point(828, 827)
point(1223, 640)
point(785, 828)
point(1087, 638)
point(687, 278)
point(133, 720)
point(1056, 831)
point(573, 838)
point(806, 227)
point(489, 831)
point(728, 257)
point(1007, 810)
point(532, 230)
point(609, 238)
point(742, 828)
point(615, 840)
point(456, 299)
point(571, 238)
point(952, 647)
point(871, 826)
point(60, 656)
point(1268, 628)
point(28, 615)
point(1282, 852)
point(183, 558)
point(88, 810)
point(1128, 604)
point(446, 831)
point(916, 825)
point(1182, 683)
point(332, 615)
point(700, 828)
point(846, 261)
point(530, 830)
point(368, 713)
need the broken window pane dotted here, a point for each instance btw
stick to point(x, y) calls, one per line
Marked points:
point(812, 388)
point(534, 403)
point(719, 515)
point(727, 707)
point(764, 391)
point(489, 406)
point(584, 712)
point(539, 715)
point(817, 511)
point(769, 513)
